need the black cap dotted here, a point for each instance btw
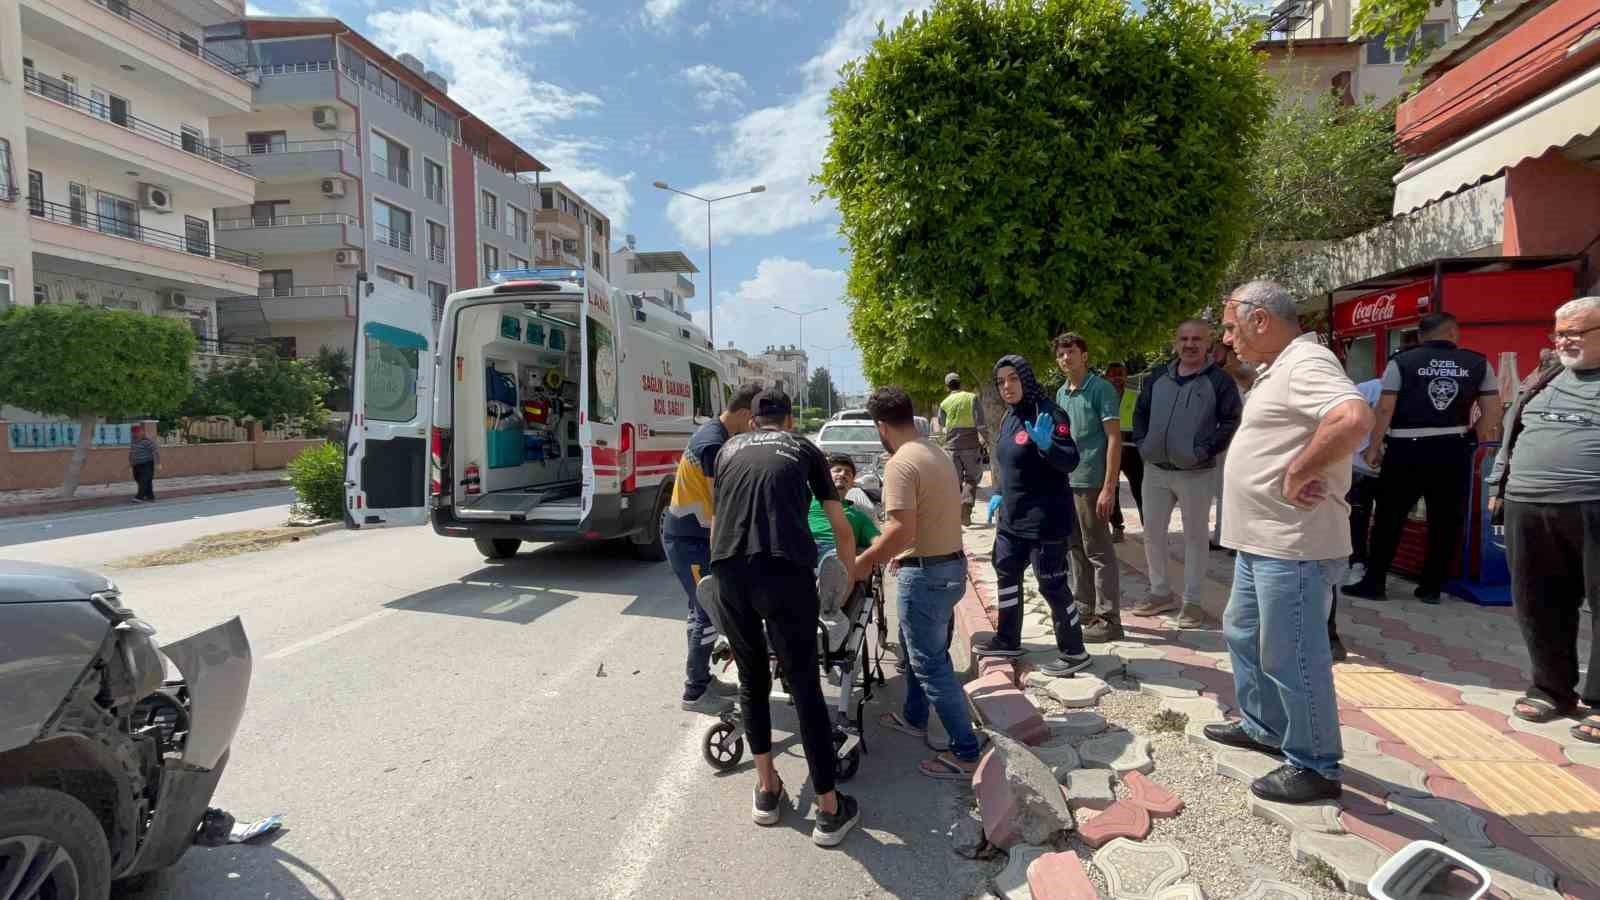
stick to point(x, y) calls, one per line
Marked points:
point(772, 402)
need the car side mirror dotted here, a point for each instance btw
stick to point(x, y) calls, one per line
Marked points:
point(1428, 869)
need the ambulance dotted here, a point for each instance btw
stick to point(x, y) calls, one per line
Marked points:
point(549, 407)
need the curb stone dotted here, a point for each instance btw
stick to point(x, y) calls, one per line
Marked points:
point(1321, 817)
point(1353, 860)
point(1243, 766)
point(46, 507)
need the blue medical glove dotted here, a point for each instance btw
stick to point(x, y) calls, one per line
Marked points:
point(994, 506)
point(1042, 430)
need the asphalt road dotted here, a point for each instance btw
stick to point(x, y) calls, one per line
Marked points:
point(430, 725)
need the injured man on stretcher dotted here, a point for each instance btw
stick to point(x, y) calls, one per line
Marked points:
point(833, 581)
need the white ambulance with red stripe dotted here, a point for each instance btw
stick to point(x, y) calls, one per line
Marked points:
point(549, 407)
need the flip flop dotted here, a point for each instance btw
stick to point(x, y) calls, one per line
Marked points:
point(1591, 722)
point(896, 722)
point(945, 767)
point(1544, 709)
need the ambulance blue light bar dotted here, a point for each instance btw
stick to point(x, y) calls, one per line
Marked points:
point(547, 273)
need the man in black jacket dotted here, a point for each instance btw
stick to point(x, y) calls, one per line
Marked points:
point(1033, 455)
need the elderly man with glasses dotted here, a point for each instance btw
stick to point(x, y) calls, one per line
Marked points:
point(1547, 488)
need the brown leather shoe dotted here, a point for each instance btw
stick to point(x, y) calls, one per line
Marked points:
point(1101, 631)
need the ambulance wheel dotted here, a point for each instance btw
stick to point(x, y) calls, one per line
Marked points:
point(647, 546)
point(497, 548)
point(845, 767)
point(721, 753)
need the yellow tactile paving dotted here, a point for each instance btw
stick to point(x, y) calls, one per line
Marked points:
point(1356, 668)
point(1538, 798)
point(1385, 690)
point(1581, 853)
point(1450, 734)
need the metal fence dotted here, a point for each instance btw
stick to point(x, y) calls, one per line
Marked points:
point(191, 143)
point(213, 430)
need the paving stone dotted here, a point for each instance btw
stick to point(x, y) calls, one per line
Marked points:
point(1266, 889)
point(1106, 665)
point(1515, 875)
point(1455, 822)
point(1558, 730)
point(1355, 740)
point(1143, 669)
point(1139, 871)
point(1060, 876)
point(1122, 819)
point(1081, 690)
point(1185, 891)
point(1076, 724)
point(1172, 686)
point(1120, 751)
point(1243, 766)
point(1583, 754)
point(1321, 817)
point(1389, 831)
point(1388, 774)
point(1018, 796)
point(1352, 859)
point(1011, 882)
point(1158, 799)
point(1428, 663)
point(1005, 709)
point(1058, 753)
point(1141, 653)
point(1205, 641)
point(1197, 709)
point(1090, 789)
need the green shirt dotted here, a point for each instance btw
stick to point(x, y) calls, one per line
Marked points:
point(860, 525)
point(1089, 407)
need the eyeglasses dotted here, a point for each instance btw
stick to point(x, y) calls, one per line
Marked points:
point(1561, 337)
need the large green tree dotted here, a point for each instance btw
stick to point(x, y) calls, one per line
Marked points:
point(91, 364)
point(266, 388)
point(1007, 169)
point(821, 392)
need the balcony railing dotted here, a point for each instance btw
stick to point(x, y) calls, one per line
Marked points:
point(60, 92)
point(286, 221)
point(436, 252)
point(490, 220)
point(400, 175)
point(268, 149)
point(400, 240)
point(188, 43)
point(124, 228)
point(8, 193)
point(292, 68)
point(304, 290)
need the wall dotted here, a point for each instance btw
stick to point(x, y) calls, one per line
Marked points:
point(509, 192)
point(16, 248)
point(33, 469)
point(463, 216)
point(423, 142)
point(1542, 213)
point(310, 336)
point(146, 101)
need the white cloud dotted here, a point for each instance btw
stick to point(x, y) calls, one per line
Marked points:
point(315, 9)
point(659, 11)
point(782, 146)
point(715, 86)
point(701, 30)
point(482, 48)
point(779, 9)
point(746, 316)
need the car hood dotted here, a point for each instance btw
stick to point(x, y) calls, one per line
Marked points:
point(25, 582)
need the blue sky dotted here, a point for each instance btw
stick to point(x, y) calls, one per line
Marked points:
point(712, 96)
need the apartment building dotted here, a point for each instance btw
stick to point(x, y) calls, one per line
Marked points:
point(109, 168)
point(659, 277)
point(743, 369)
point(364, 163)
point(571, 231)
point(1310, 49)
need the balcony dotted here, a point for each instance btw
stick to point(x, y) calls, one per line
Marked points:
point(555, 221)
point(114, 34)
point(562, 260)
point(298, 160)
point(304, 303)
point(400, 175)
point(88, 241)
point(399, 240)
point(439, 253)
point(66, 127)
point(308, 233)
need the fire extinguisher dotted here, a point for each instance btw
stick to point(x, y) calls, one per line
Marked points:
point(470, 482)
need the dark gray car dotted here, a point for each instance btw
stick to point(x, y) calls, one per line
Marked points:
point(107, 766)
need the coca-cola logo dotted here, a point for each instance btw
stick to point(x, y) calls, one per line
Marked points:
point(1368, 312)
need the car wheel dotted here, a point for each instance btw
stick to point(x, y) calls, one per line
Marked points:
point(651, 549)
point(51, 845)
point(497, 548)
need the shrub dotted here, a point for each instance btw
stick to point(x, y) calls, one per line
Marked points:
point(318, 478)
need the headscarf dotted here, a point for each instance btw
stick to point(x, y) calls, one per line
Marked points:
point(1032, 392)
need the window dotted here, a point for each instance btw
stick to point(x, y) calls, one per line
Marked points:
point(437, 293)
point(547, 199)
point(391, 160)
point(433, 179)
point(491, 211)
point(387, 86)
point(603, 373)
point(393, 359)
point(438, 243)
point(36, 192)
point(117, 109)
point(118, 215)
point(518, 262)
point(8, 184)
point(400, 278)
point(491, 260)
point(5, 288)
point(277, 283)
point(266, 141)
point(266, 213)
point(41, 293)
point(430, 113)
point(519, 224)
point(1378, 53)
point(197, 236)
point(706, 392)
point(391, 225)
point(191, 139)
point(78, 203)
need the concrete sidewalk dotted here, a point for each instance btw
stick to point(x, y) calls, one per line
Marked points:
point(91, 496)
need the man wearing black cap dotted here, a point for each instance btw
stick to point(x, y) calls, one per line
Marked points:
point(762, 559)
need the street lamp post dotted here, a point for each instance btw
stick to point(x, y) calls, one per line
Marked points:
point(801, 315)
point(711, 285)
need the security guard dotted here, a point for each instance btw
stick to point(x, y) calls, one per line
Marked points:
point(960, 421)
point(1428, 394)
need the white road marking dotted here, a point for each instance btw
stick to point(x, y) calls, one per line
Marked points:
point(635, 855)
point(330, 634)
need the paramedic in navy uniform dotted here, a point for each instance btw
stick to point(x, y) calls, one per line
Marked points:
point(1420, 437)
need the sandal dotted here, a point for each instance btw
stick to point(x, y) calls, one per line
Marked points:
point(1591, 722)
point(896, 722)
point(1544, 709)
point(945, 767)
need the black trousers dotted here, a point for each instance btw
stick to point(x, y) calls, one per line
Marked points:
point(1011, 557)
point(1432, 469)
point(144, 476)
point(1363, 493)
point(762, 597)
point(1554, 552)
point(1133, 468)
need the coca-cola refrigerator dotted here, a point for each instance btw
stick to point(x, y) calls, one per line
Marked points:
point(1503, 304)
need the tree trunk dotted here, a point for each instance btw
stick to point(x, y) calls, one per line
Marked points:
point(80, 453)
point(994, 412)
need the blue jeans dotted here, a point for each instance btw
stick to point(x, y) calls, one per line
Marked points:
point(690, 559)
point(1276, 627)
point(926, 602)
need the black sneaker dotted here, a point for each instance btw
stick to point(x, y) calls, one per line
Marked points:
point(1364, 589)
point(832, 827)
point(1064, 666)
point(1232, 734)
point(768, 808)
point(1429, 596)
point(994, 647)
point(1291, 784)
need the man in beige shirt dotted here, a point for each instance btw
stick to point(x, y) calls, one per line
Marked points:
point(922, 497)
point(1284, 486)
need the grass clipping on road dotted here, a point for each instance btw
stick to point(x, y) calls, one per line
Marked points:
point(216, 546)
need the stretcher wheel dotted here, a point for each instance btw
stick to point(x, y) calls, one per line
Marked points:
point(721, 753)
point(846, 766)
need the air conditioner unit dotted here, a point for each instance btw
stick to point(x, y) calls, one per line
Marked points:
point(174, 300)
point(333, 187)
point(325, 117)
point(348, 259)
point(155, 198)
